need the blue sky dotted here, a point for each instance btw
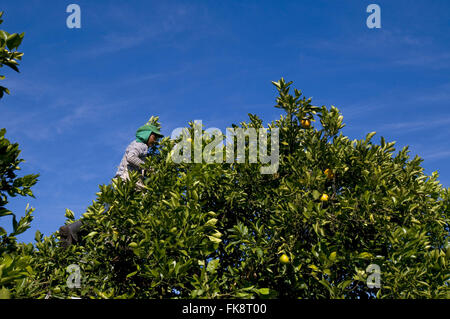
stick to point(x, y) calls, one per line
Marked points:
point(82, 93)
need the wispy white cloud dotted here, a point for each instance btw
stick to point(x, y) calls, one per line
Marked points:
point(435, 61)
point(63, 112)
point(363, 42)
point(439, 94)
point(434, 155)
point(395, 47)
point(417, 125)
point(131, 28)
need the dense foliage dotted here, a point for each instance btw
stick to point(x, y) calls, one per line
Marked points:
point(334, 207)
point(8, 52)
point(13, 265)
point(224, 230)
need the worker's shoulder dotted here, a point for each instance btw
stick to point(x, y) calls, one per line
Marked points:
point(137, 145)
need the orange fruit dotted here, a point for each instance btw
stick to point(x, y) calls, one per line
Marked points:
point(324, 197)
point(284, 259)
point(329, 173)
point(305, 123)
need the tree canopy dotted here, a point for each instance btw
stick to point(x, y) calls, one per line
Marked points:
point(199, 230)
point(334, 210)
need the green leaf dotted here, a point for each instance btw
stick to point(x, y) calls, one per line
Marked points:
point(211, 222)
point(365, 255)
point(264, 291)
point(15, 224)
point(369, 136)
point(4, 293)
point(12, 66)
point(38, 236)
point(69, 214)
point(13, 41)
point(313, 267)
point(316, 194)
point(4, 212)
point(4, 35)
point(215, 239)
point(332, 256)
point(212, 265)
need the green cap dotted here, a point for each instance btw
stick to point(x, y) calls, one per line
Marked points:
point(154, 129)
point(144, 132)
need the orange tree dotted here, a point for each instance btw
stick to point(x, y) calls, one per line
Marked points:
point(14, 265)
point(314, 229)
point(8, 52)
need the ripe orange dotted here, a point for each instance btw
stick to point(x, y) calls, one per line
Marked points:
point(329, 173)
point(284, 259)
point(305, 123)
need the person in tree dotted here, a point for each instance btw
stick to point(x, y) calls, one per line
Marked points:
point(137, 150)
point(132, 160)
